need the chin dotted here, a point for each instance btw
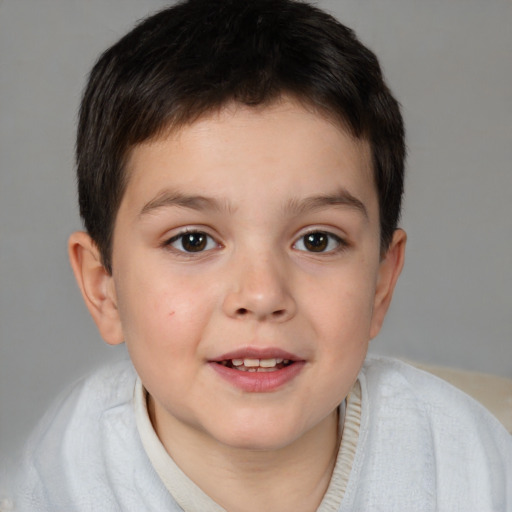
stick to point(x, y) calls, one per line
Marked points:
point(258, 436)
point(259, 443)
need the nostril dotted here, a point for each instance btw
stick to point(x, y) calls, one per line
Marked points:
point(277, 314)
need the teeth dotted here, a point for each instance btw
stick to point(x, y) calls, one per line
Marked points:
point(260, 365)
point(255, 363)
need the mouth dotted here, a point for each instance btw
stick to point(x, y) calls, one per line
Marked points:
point(258, 370)
point(256, 365)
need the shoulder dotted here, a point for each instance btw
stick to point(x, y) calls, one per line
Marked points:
point(82, 405)
point(389, 379)
point(419, 426)
point(87, 432)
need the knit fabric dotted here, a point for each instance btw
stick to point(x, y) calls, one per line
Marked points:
point(417, 444)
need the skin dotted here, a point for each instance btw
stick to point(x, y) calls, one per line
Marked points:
point(256, 285)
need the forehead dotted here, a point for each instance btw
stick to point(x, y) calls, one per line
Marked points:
point(231, 152)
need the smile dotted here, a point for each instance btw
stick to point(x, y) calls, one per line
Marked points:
point(258, 370)
point(256, 365)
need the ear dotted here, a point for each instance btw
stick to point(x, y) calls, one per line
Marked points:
point(389, 270)
point(96, 285)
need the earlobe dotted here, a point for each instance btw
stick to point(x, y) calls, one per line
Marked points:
point(96, 285)
point(389, 270)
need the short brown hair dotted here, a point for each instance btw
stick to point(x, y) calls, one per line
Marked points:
point(197, 56)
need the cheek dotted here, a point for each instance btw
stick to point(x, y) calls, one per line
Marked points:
point(343, 306)
point(163, 329)
point(162, 313)
point(345, 314)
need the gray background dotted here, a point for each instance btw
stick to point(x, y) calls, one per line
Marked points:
point(449, 63)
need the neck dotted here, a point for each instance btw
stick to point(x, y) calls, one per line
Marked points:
point(294, 477)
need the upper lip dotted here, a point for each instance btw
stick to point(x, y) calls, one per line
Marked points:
point(257, 353)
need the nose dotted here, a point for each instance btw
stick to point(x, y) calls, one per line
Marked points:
point(259, 288)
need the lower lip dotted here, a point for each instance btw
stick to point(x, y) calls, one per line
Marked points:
point(259, 382)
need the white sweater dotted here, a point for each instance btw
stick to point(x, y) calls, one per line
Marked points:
point(422, 445)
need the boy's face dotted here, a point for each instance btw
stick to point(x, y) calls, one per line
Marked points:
point(252, 234)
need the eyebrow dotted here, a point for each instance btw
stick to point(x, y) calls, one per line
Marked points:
point(341, 197)
point(169, 198)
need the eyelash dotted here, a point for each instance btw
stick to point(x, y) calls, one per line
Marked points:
point(209, 242)
point(331, 238)
point(323, 242)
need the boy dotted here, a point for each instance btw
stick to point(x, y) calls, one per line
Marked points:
point(240, 170)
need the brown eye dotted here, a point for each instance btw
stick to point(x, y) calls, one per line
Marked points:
point(192, 241)
point(318, 241)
